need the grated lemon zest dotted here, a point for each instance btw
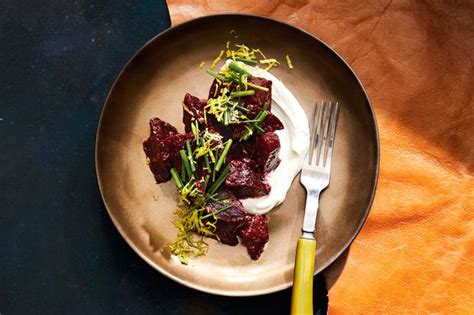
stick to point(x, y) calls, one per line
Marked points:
point(288, 62)
point(187, 109)
point(218, 58)
point(272, 62)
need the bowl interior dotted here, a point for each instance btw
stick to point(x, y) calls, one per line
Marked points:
point(154, 83)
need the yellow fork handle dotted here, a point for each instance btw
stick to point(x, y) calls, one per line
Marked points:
point(302, 295)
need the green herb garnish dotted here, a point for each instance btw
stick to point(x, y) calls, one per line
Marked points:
point(194, 193)
point(176, 178)
point(213, 214)
point(242, 93)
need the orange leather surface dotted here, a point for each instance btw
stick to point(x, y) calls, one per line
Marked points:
point(415, 253)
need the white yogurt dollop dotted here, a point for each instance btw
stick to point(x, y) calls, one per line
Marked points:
point(294, 141)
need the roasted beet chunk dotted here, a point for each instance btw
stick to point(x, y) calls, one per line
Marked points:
point(161, 128)
point(256, 102)
point(162, 148)
point(193, 108)
point(244, 181)
point(158, 162)
point(241, 150)
point(267, 147)
point(227, 232)
point(255, 235)
point(230, 221)
point(272, 123)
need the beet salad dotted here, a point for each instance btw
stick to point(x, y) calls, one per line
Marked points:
point(225, 154)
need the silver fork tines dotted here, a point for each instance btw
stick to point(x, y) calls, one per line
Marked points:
point(324, 116)
point(315, 172)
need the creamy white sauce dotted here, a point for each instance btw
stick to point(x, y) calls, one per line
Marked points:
point(294, 141)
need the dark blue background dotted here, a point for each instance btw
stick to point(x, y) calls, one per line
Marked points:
point(59, 252)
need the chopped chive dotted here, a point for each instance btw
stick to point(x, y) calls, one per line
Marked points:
point(259, 128)
point(246, 136)
point(247, 61)
point(216, 156)
point(216, 212)
point(258, 87)
point(213, 197)
point(193, 129)
point(206, 161)
point(190, 156)
point(197, 132)
point(242, 93)
point(224, 154)
point(183, 175)
point(216, 75)
point(206, 181)
point(220, 180)
point(242, 108)
point(263, 115)
point(260, 118)
point(226, 118)
point(247, 121)
point(237, 68)
point(201, 142)
point(175, 176)
point(186, 163)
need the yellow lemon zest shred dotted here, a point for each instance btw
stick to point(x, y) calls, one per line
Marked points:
point(218, 58)
point(288, 62)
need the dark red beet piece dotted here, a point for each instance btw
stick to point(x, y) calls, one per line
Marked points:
point(236, 222)
point(266, 149)
point(272, 123)
point(161, 128)
point(226, 197)
point(162, 148)
point(238, 132)
point(228, 232)
point(240, 150)
point(255, 235)
point(257, 101)
point(244, 181)
point(229, 221)
point(195, 109)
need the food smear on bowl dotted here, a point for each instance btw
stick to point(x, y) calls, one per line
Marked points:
point(241, 149)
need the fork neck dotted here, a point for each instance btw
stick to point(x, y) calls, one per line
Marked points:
point(307, 235)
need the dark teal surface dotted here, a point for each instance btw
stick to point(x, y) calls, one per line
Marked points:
point(59, 251)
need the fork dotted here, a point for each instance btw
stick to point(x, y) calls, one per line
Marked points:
point(315, 178)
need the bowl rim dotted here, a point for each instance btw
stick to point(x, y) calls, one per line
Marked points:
point(236, 293)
